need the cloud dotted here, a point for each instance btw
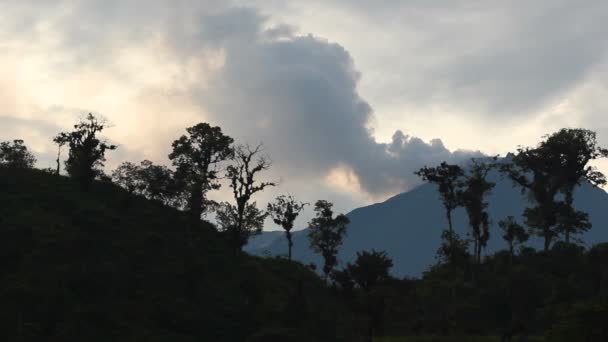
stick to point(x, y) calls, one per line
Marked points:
point(298, 94)
point(487, 75)
point(481, 59)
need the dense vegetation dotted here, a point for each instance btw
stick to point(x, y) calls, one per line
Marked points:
point(131, 257)
point(109, 266)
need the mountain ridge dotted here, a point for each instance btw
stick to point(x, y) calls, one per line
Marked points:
point(408, 226)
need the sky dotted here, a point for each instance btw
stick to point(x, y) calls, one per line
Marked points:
point(349, 97)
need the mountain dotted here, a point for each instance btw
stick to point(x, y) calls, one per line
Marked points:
point(408, 226)
point(104, 265)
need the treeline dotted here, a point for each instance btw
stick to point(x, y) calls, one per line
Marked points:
point(200, 159)
point(518, 291)
point(547, 174)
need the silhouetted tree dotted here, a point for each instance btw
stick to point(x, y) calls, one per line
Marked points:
point(447, 177)
point(558, 164)
point(284, 211)
point(571, 221)
point(156, 181)
point(87, 150)
point(535, 171)
point(15, 155)
point(126, 175)
point(58, 160)
point(247, 164)
point(514, 233)
point(326, 233)
point(196, 157)
point(575, 148)
point(368, 271)
point(475, 188)
point(240, 225)
point(453, 249)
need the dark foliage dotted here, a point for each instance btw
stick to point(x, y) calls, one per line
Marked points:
point(326, 234)
point(87, 150)
point(155, 182)
point(447, 178)
point(555, 166)
point(122, 262)
point(243, 219)
point(196, 157)
point(15, 155)
point(514, 233)
point(284, 211)
point(474, 189)
point(81, 267)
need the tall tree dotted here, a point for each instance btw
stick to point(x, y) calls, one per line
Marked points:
point(284, 211)
point(447, 177)
point(326, 233)
point(575, 149)
point(87, 150)
point(475, 188)
point(15, 155)
point(247, 164)
point(535, 171)
point(557, 164)
point(196, 157)
point(514, 233)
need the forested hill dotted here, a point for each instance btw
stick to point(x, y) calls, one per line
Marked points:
point(103, 265)
point(408, 226)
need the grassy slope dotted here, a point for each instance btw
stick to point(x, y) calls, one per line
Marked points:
point(105, 266)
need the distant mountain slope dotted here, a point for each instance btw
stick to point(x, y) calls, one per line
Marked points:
point(408, 226)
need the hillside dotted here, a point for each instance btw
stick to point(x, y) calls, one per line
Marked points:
point(107, 266)
point(408, 226)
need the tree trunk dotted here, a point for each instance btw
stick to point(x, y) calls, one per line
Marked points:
point(477, 245)
point(569, 200)
point(449, 216)
point(58, 161)
point(195, 205)
point(289, 244)
point(240, 225)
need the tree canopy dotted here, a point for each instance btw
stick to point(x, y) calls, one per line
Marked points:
point(284, 211)
point(196, 157)
point(246, 217)
point(326, 233)
point(87, 150)
point(16, 155)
